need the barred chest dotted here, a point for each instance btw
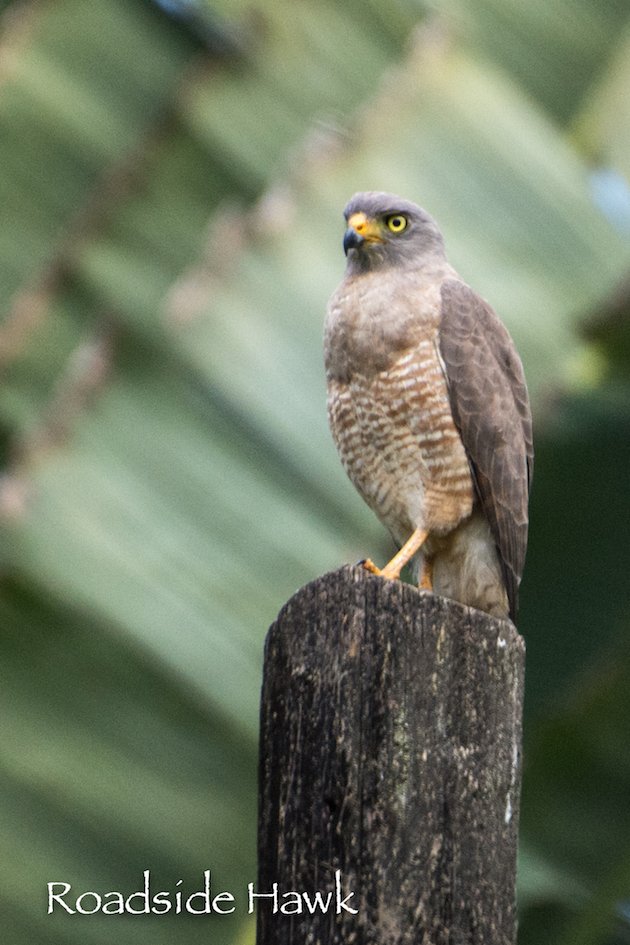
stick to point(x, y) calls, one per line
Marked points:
point(390, 416)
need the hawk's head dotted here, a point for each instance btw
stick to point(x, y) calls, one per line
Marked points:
point(383, 229)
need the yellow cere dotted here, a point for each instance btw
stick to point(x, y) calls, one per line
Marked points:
point(367, 227)
point(358, 222)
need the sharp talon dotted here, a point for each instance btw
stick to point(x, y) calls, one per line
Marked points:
point(392, 569)
point(386, 572)
point(370, 566)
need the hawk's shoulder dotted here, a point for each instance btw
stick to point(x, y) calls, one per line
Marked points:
point(491, 410)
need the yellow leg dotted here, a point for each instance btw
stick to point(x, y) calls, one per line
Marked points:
point(426, 578)
point(393, 568)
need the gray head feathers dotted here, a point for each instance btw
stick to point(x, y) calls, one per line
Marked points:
point(394, 232)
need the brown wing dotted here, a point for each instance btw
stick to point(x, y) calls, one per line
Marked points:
point(491, 410)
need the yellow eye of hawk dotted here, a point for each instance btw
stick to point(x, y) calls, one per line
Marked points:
point(396, 223)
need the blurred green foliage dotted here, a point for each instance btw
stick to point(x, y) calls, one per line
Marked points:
point(171, 193)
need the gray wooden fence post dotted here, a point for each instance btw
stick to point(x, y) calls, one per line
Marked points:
point(390, 768)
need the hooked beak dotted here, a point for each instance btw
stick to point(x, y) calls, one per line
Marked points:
point(351, 240)
point(360, 230)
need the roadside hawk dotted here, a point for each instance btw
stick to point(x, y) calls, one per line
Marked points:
point(428, 407)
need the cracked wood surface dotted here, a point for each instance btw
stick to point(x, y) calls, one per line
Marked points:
point(391, 751)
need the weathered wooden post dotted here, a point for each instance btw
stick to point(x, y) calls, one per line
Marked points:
point(390, 766)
